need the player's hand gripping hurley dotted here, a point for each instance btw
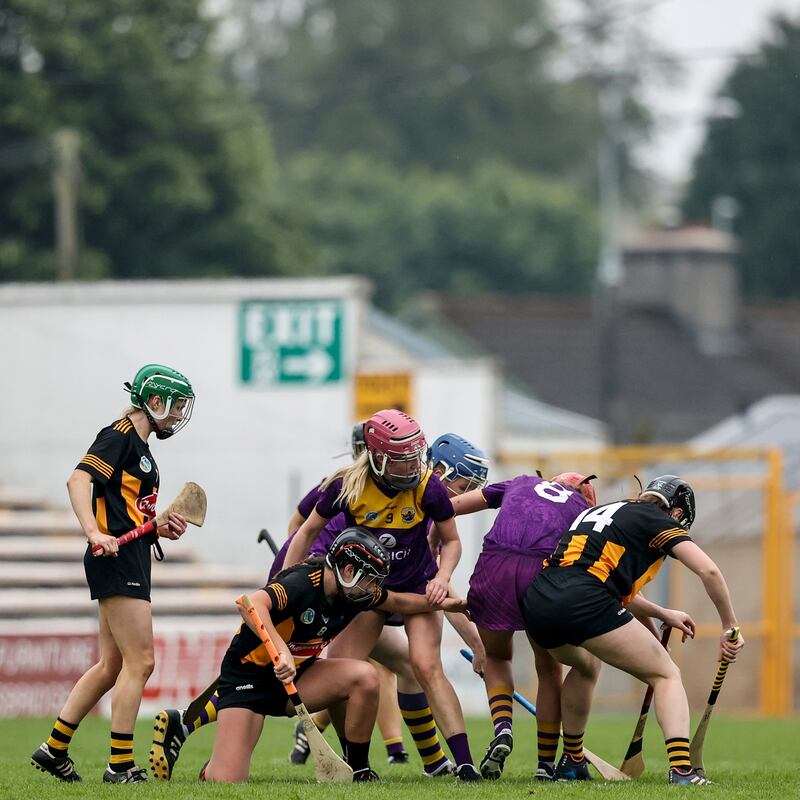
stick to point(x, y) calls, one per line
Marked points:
point(328, 767)
point(190, 504)
point(633, 764)
point(696, 746)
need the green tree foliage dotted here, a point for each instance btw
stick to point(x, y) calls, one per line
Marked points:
point(494, 229)
point(178, 172)
point(754, 157)
point(444, 84)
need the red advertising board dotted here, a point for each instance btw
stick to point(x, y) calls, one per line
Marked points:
point(38, 672)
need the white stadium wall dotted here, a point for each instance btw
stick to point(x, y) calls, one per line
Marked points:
point(68, 348)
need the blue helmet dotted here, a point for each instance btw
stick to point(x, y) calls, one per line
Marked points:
point(459, 458)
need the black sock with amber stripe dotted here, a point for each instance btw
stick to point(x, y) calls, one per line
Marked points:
point(678, 752)
point(61, 736)
point(573, 745)
point(121, 759)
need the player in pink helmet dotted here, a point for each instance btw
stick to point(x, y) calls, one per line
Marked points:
point(390, 491)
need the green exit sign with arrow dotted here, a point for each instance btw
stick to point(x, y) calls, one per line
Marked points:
point(291, 341)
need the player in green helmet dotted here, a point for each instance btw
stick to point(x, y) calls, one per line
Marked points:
point(113, 489)
point(173, 407)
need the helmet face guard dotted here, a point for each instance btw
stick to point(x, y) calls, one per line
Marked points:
point(396, 448)
point(401, 472)
point(460, 461)
point(675, 493)
point(369, 560)
point(173, 389)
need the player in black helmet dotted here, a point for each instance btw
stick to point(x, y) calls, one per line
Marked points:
point(113, 490)
point(303, 608)
point(579, 608)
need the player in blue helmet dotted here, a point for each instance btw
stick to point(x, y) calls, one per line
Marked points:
point(461, 465)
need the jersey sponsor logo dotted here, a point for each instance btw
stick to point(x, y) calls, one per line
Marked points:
point(620, 612)
point(144, 464)
point(387, 540)
point(147, 505)
point(407, 515)
point(306, 649)
point(244, 687)
point(307, 617)
point(371, 516)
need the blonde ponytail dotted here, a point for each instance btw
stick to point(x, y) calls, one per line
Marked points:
point(354, 479)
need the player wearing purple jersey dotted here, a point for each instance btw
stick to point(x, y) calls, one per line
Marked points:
point(533, 515)
point(390, 491)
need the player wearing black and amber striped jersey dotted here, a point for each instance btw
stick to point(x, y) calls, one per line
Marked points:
point(579, 609)
point(303, 608)
point(113, 489)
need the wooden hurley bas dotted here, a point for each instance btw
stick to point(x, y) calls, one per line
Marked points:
point(190, 504)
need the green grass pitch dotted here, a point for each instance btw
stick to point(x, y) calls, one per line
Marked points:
point(747, 758)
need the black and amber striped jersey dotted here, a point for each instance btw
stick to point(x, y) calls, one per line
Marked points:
point(302, 615)
point(622, 544)
point(124, 478)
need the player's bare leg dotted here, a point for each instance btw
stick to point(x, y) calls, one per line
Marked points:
point(425, 640)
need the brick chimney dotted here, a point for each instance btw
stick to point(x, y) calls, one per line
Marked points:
point(691, 273)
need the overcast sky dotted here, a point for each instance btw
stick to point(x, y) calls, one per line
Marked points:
point(697, 28)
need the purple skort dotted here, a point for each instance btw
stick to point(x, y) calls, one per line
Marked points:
point(498, 585)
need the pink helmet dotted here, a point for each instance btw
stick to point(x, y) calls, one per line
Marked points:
point(396, 448)
point(574, 480)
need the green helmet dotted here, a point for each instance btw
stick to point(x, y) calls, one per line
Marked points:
point(171, 386)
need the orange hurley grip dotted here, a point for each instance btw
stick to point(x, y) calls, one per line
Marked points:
point(245, 603)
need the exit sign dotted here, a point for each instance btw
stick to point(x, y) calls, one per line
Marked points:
point(291, 341)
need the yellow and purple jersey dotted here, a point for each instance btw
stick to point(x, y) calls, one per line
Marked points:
point(399, 520)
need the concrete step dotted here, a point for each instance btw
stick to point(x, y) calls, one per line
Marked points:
point(15, 497)
point(60, 603)
point(66, 548)
point(39, 522)
point(21, 574)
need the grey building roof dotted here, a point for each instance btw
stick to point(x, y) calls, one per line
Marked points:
point(667, 390)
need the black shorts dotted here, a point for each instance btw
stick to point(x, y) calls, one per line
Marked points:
point(568, 606)
point(128, 574)
point(254, 687)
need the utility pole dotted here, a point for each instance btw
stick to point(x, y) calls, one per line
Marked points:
point(610, 270)
point(66, 174)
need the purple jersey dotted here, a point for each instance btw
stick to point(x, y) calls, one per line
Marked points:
point(306, 505)
point(399, 520)
point(319, 548)
point(534, 513)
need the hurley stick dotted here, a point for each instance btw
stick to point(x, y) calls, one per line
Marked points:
point(696, 746)
point(328, 767)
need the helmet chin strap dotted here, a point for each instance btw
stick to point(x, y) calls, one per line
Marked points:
point(160, 433)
